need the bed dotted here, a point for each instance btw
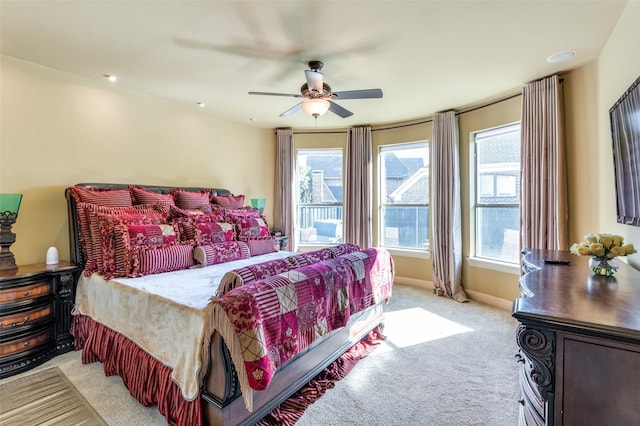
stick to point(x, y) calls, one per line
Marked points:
point(198, 312)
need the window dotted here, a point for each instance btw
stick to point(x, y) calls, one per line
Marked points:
point(497, 193)
point(404, 195)
point(320, 188)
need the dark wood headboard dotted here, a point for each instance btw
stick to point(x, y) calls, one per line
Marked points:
point(75, 250)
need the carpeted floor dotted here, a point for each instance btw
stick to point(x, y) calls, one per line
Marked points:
point(443, 363)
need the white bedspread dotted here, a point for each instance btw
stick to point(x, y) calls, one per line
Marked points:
point(167, 315)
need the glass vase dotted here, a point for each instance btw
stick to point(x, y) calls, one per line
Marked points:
point(603, 265)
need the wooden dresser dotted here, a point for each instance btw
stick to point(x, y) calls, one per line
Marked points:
point(35, 315)
point(579, 339)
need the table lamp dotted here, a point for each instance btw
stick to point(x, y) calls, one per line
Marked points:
point(258, 204)
point(9, 206)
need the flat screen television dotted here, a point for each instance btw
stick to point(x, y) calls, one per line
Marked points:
point(624, 117)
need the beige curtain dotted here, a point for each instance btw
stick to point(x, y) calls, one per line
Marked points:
point(446, 245)
point(543, 194)
point(358, 184)
point(285, 187)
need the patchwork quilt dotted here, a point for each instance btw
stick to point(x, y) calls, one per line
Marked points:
point(267, 322)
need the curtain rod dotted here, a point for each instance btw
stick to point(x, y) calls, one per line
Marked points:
point(497, 101)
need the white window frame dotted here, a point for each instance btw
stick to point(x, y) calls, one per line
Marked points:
point(320, 241)
point(476, 260)
point(404, 251)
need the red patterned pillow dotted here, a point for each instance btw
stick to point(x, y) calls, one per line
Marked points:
point(154, 260)
point(229, 201)
point(214, 232)
point(153, 235)
point(262, 246)
point(212, 254)
point(251, 227)
point(187, 222)
point(190, 200)
point(89, 229)
point(140, 195)
point(101, 196)
point(111, 245)
point(197, 215)
point(232, 214)
point(121, 240)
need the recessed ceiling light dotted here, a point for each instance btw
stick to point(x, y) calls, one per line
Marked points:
point(201, 104)
point(561, 56)
point(112, 78)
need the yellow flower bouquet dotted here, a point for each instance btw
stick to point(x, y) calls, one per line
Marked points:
point(603, 248)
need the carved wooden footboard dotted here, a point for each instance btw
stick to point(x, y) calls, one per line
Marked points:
point(222, 402)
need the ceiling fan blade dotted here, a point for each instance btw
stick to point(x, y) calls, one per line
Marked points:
point(292, 110)
point(358, 94)
point(276, 94)
point(314, 80)
point(338, 110)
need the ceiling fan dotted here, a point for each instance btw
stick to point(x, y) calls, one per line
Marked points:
point(318, 97)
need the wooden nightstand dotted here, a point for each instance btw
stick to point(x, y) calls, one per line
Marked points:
point(35, 315)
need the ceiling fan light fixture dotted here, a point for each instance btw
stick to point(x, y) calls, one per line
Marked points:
point(315, 107)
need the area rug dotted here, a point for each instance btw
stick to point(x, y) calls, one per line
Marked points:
point(45, 398)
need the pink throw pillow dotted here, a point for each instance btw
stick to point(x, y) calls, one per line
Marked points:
point(100, 196)
point(190, 200)
point(140, 195)
point(228, 201)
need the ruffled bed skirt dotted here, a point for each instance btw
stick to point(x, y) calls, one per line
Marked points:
point(150, 382)
point(147, 379)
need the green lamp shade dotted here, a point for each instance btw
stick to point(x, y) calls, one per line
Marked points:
point(258, 203)
point(10, 202)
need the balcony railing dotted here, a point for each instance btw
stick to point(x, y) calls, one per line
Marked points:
point(320, 223)
point(405, 226)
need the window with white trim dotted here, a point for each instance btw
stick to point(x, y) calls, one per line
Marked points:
point(404, 195)
point(320, 189)
point(497, 193)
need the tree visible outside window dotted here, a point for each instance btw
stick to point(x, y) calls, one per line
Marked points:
point(497, 193)
point(404, 195)
point(320, 188)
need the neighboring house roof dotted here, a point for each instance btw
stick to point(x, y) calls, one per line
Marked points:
point(398, 170)
point(399, 183)
point(395, 167)
point(501, 149)
point(321, 190)
point(413, 190)
point(331, 193)
point(335, 190)
point(413, 164)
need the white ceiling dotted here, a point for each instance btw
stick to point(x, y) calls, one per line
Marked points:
point(426, 56)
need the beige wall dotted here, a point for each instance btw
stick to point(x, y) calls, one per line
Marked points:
point(501, 285)
point(57, 130)
point(582, 158)
point(618, 67)
point(589, 93)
